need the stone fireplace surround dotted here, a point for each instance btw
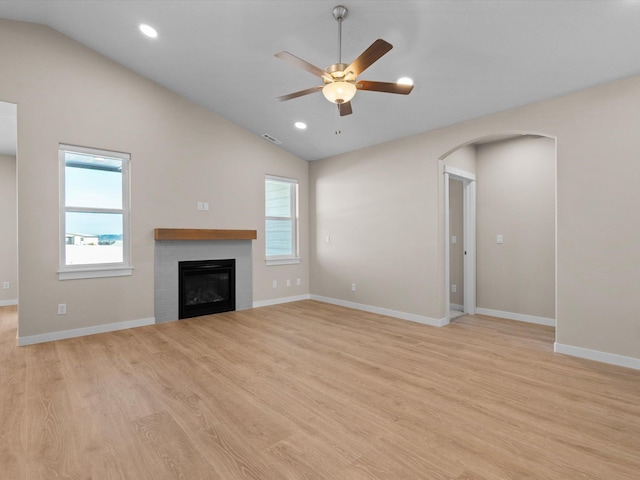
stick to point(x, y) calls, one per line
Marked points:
point(177, 245)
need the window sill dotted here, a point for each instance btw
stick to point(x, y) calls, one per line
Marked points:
point(95, 272)
point(283, 261)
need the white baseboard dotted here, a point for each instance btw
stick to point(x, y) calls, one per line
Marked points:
point(8, 303)
point(598, 356)
point(81, 332)
point(277, 301)
point(455, 306)
point(520, 317)
point(384, 311)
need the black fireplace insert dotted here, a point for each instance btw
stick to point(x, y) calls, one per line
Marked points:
point(206, 287)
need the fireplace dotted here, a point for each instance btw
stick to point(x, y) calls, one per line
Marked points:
point(206, 287)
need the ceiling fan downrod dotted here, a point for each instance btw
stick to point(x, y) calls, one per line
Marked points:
point(340, 13)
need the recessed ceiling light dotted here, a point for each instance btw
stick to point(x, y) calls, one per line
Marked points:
point(148, 30)
point(405, 81)
point(300, 125)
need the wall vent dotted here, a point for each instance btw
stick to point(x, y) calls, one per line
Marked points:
point(266, 136)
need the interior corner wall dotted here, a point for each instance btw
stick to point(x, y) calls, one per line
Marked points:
point(8, 226)
point(181, 154)
point(383, 207)
point(515, 198)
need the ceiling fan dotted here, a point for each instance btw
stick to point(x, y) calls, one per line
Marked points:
point(340, 79)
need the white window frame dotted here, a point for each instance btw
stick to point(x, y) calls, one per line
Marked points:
point(285, 259)
point(98, 270)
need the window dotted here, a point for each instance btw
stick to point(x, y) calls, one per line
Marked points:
point(94, 213)
point(281, 220)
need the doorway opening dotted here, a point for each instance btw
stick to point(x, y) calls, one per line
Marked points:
point(8, 206)
point(508, 229)
point(460, 243)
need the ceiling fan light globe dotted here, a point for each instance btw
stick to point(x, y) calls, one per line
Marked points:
point(339, 92)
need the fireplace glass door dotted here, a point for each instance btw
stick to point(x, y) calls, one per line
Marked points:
point(206, 287)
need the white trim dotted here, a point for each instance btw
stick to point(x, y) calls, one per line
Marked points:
point(95, 273)
point(469, 241)
point(70, 272)
point(278, 178)
point(520, 317)
point(81, 332)
point(95, 151)
point(293, 217)
point(469, 238)
point(8, 303)
point(604, 357)
point(282, 261)
point(384, 311)
point(277, 301)
point(459, 173)
point(447, 246)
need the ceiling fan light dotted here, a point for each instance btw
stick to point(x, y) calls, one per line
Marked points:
point(339, 92)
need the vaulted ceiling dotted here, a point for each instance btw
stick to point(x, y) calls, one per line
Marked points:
point(467, 58)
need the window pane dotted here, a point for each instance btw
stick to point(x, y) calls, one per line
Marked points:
point(92, 238)
point(279, 237)
point(277, 199)
point(92, 182)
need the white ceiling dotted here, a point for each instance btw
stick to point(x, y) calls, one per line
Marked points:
point(467, 58)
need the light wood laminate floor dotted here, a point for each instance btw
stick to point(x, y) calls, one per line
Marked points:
point(313, 391)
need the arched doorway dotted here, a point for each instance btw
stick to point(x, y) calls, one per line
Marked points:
point(509, 255)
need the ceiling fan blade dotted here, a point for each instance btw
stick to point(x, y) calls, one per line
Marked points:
point(298, 62)
point(301, 93)
point(386, 87)
point(376, 50)
point(345, 109)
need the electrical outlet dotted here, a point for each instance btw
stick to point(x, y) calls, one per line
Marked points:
point(6, 285)
point(206, 206)
point(353, 287)
point(299, 282)
point(199, 206)
point(62, 309)
point(288, 282)
point(274, 284)
point(453, 288)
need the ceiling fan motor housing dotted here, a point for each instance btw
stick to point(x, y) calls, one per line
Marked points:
point(337, 72)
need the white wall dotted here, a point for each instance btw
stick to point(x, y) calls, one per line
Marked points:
point(515, 198)
point(180, 154)
point(384, 206)
point(8, 227)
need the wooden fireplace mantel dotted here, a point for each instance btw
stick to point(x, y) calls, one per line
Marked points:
point(203, 234)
